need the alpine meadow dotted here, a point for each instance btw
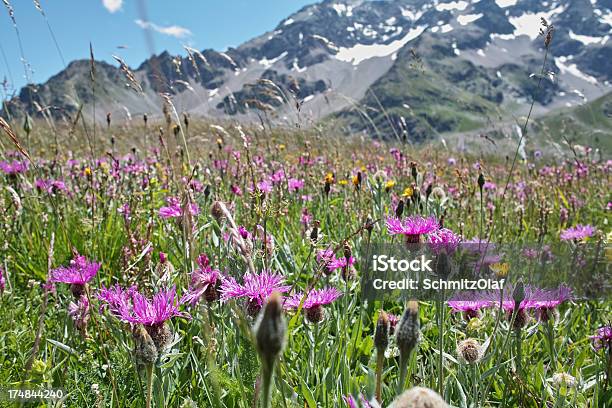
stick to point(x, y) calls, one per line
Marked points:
point(367, 204)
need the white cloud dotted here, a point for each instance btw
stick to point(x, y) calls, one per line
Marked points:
point(173, 30)
point(112, 5)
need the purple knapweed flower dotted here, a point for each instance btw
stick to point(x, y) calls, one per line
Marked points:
point(412, 227)
point(295, 184)
point(602, 338)
point(132, 307)
point(314, 302)
point(77, 274)
point(204, 282)
point(443, 239)
point(255, 287)
point(264, 187)
point(140, 312)
point(175, 210)
point(13, 168)
point(469, 303)
point(542, 301)
point(351, 402)
point(577, 233)
point(50, 186)
point(236, 190)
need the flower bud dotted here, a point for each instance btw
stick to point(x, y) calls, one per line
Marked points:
point(518, 294)
point(407, 331)
point(399, 210)
point(145, 351)
point(381, 335)
point(481, 181)
point(413, 168)
point(270, 330)
point(161, 335)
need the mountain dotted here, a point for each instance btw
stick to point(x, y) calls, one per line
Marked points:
point(404, 68)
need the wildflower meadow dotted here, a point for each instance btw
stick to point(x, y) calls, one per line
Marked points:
point(181, 260)
point(232, 276)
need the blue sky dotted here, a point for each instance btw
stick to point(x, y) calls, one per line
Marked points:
point(109, 24)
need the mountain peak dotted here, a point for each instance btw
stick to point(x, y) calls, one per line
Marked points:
point(432, 66)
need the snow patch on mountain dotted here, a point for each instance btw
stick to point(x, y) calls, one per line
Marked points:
point(466, 19)
point(343, 9)
point(454, 5)
point(362, 52)
point(269, 62)
point(566, 68)
point(529, 23)
point(411, 15)
point(446, 28)
point(588, 40)
point(506, 3)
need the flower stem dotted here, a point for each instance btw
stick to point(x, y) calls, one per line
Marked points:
point(403, 372)
point(440, 313)
point(380, 359)
point(519, 351)
point(267, 371)
point(149, 384)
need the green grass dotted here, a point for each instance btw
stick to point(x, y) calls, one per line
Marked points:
point(213, 362)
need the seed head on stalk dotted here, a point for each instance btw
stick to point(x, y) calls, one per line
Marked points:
point(407, 337)
point(419, 397)
point(270, 332)
point(381, 342)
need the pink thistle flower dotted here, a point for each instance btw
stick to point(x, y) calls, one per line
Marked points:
point(393, 321)
point(295, 184)
point(134, 308)
point(469, 303)
point(314, 302)
point(175, 210)
point(116, 298)
point(351, 402)
point(77, 275)
point(244, 233)
point(602, 338)
point(204, 282)
point(578, 232)
point(306, 217)
point(264, 187)
point(339, 263)
point(50, 186)
point(236, 190)
point(328, 259)
point(325, 256)
point(412, 227)
point(542, 301)
point(443, 239)
point(257, 288)
point(13, 168)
